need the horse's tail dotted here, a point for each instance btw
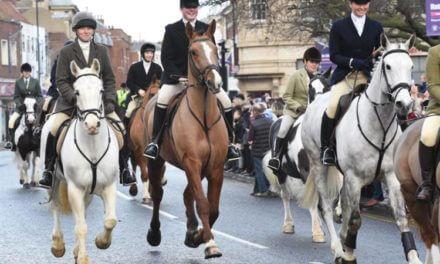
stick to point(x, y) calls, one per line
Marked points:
point(64, 198)
point(309, 196)
point(334, 183)
point(270, 176)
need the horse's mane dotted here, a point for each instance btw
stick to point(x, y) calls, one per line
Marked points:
point(152, 90)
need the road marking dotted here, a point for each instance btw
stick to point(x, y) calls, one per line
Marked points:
point(167, 215)
point(239, 239)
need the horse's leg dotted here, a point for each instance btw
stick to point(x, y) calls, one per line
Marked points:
point(142, 161)
point(58, 248)
point(288, 226)
point(191, 219)
point(155, 169)
point(76, 200)
point(421, 212)
point(317, 234)
point(104, 240)
point(215, 182)
point(351, 217)
point(320, 176)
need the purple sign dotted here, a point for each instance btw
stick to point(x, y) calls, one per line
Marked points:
point(325, 53)
point(433, 17)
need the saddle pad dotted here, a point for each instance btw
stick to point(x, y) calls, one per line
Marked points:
point(118, 133)
point(172, 107)
point(61, 136)
point(345, 101)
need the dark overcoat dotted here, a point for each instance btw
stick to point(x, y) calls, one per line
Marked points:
point(138, 79)
point(21, 92)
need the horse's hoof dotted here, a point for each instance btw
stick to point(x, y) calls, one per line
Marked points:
point(212, 252)
point(189, 239)
point(154, 237)
point(164, 182)
point(101, 245)
point(33, 184)
point(58, 253)
point(289, 229)
point(340, 260)
point(26, 186)
point(133, 190)
point(146, 201)
point(318, 239)
point(21, 181)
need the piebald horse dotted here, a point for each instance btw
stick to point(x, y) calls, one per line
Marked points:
point(196, 141)
point(365, 138)
point(88, 165)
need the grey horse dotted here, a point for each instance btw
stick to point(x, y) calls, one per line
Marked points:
point(365, 138)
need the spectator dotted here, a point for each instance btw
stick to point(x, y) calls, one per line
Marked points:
point(377, 194)
point(246, 152)
point(233, 166)
point(277, 108)
point(259, 140)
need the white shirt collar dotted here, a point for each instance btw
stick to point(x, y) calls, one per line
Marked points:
point(147, 66)
point(84, 45)
point(193, 23)
point(359, 22)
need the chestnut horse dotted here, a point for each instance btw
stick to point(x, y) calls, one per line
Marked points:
point(137, 141)
point(407, 168)
point(196, 141)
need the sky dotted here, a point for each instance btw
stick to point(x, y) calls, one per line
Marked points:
point(141, 19)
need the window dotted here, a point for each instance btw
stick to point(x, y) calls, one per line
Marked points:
point(14, 53)
point(4, 52)
point(258, 9)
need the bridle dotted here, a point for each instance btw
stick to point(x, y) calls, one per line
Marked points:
point(200, 75)
point(82, 114)
point(398, 87)
point(27, 113)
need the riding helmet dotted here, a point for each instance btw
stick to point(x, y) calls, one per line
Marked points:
point(147, 47)
point(360, 2)
point(312, 54)
point(68, 42)
point(189, 3)
point(25, 67)
point(83, 19)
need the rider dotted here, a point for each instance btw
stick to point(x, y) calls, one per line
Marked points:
point(353, 42)
point(82, 51)
point(431, 125)
point(140, 76)
point(24, 86)
point(296, 99)
point(174, 79)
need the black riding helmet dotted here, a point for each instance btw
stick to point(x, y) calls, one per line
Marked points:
point(312, 54)
point(83, 19)
point(147, 47)
point(189, 3)
point(360, 2)
point(26, 67)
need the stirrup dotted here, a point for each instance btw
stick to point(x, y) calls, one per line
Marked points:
point(42, 182)
point(274, 163)
point(151, 153)
point(131, 178)
point(328, 157)
point(8, 145)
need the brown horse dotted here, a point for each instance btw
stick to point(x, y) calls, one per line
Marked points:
point(137, 140)
point(196, 141)
point(407, 168)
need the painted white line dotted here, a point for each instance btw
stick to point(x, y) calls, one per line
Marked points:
point(239, 239)
point(167, 215)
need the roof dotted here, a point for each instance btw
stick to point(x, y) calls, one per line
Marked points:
point(60, 2)
point(8, 11)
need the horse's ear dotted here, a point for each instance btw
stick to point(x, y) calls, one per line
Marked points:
point(411, 41)
point(328, 72)
point(211, 29)
point(96, 66)
point(384, 42)
point(74, 68)
point(189, 31)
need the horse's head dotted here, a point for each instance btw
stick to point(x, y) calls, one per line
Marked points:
point(203, 58)
point(396, 67)
point(31, 105)
point(319, 84)
point(88, 90)
point(154, 87)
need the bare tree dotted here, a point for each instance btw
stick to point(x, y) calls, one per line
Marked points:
point(313, 18)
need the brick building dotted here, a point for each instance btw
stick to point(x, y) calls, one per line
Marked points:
point(121, 54)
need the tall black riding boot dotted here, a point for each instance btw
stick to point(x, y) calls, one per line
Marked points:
point(328, 156)
point(427, 159)
point(275, 162)
point(10, 144)
point(233, 153)
point(152, 150)
point(126, 177)
point(49, 162)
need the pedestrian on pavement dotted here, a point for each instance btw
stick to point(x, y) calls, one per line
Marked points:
point(83, 51)
point(139, 78)
point(248, 163)
point(377, 196)
point(353, 43)
point(259, 141)
point(24, 86)
point(174, 58)
point(296, 97)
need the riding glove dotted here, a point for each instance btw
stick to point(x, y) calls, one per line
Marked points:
point(22, 108)
point(358, 64)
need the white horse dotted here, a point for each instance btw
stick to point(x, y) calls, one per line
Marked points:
point(89, 140)
point(291, 183)
point(365, 138)
point(26, 154)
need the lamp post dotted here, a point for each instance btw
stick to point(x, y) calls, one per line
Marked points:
point(224, 70)
point(38, 39)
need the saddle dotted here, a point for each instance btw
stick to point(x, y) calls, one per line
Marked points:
point(289, 167)
point(345, 101)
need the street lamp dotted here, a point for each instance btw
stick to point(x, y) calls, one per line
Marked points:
point(224, 70)
point(38, 38)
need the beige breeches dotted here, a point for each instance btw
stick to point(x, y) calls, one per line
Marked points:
point(135, 102)
point(46, 103)
point(60, 117)
point(169, 90)
point(13, 119)
point(341, 88)
point(430, 129)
